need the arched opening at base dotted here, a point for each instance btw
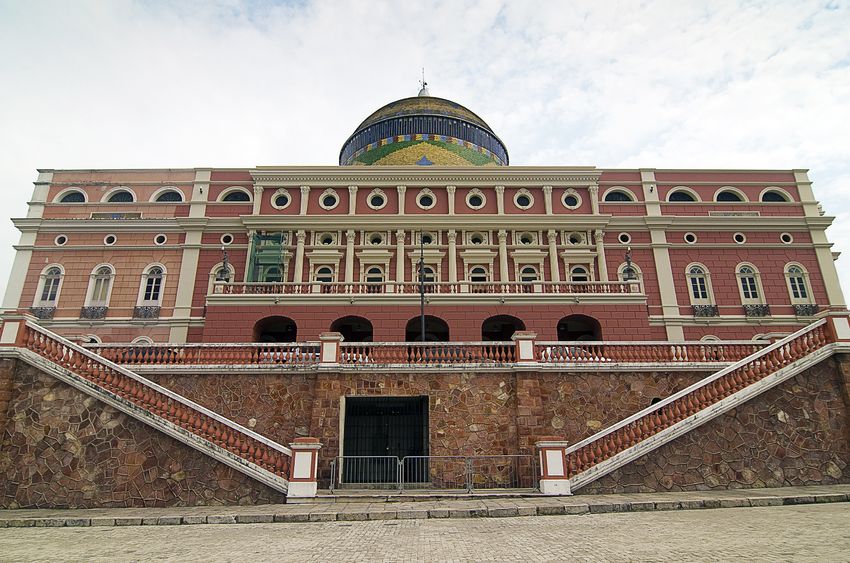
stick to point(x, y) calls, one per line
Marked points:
point(579, 327)
point(436, 330)
point(353, 328)
point(500, 328)
point(275, 329)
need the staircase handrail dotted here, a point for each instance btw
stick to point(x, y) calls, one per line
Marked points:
point(701, 383)
point(160, 389)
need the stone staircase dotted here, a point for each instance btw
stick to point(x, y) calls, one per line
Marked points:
point(651, 428)
point(200, 428)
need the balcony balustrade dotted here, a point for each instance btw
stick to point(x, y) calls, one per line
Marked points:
point(438, 288)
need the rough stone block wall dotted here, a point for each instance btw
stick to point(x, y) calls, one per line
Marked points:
point(795, 434)
point(63, 448)
point(7, 371)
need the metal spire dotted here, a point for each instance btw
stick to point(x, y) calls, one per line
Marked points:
point(423, 91)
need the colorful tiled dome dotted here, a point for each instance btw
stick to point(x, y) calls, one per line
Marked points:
point(423, 130)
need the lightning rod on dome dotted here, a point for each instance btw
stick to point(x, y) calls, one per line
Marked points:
point(424, 85)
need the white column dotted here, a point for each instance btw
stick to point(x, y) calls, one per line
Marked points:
point(452, 236)
point(258, 199)
point(305, 199)
point(547, 199)
point(399, 256)
point(200, 193)
point(349, 256)
point(500, 199)
point(503, 256)
point(298, 269)
point(352, 200)
point(401, 201)
point(450, 193)
point(664, 272)
point(554, 267)
point(593, 190)
point(179, 332)
point(598, 235)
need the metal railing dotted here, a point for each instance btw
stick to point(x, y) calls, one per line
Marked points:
point(447, 473)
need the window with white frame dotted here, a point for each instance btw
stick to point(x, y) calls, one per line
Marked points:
point(220, 274)
point(100, 286)
point(324, 274)
point(49, 286)
point(579, 274)
point(749, 284)
point(699, 285)
point(272, 274)
point(152, 285)
point(374, 278)
point(798, 284)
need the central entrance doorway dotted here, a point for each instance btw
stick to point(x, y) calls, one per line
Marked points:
point(378, 432)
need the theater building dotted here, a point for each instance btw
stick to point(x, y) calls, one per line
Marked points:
point(291, 300)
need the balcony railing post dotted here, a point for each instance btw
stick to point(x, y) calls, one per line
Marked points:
point(524, 341)
point(554, 470)
point(330, 349)
point(14, 329)
point(305, 460)
point(840, 327)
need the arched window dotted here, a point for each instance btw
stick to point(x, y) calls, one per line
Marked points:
point(578, 274)
point(374, 280)
point(773, 196)
point(73, 197)
point(353, 329)
point(272, 274)
point(169, 196)
point(798, 284)
point(429, 278)
point(152, 282)
point(275, 329)
point(236, 196)
point(50, 283)
point(728, 196)
point(749, 284)
point(529, 274)
point(479, 276)
point(100, 287)
point(220, 274)
point(681, 196)
point(698, 284)
point(436, 330)
point(120, 196)
point(325, 274)
point(579, 327)
point(618, 196)
point(500, 328)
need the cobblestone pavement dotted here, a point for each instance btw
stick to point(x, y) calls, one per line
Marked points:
point(809, 532)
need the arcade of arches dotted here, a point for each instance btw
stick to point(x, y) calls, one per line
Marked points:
point(498, 328)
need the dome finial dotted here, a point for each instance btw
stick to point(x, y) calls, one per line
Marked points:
point(423, 91)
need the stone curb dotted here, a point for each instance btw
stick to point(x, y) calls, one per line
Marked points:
point(525, 508)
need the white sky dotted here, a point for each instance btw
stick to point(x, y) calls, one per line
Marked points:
point(113, 84)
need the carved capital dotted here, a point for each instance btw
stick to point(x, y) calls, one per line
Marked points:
point(300, 234)
point(451, 235)
point(552, 235)
point(500, 190)
point(400, 236)
point(401, 190)
point(593, 189)
point(547, 190)
point(503, 236)
point(352, 190)
point(349, 236)
point(305, 190)
point(598, 235)
point(451, 190)
point(258, 191)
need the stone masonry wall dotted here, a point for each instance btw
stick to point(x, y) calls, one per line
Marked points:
point(63, 448)
point(7, 372)
point(794, 434)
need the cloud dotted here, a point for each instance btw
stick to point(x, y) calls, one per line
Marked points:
point(611, 84)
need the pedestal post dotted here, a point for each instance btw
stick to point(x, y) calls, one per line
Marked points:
point(524, 342)
point(553, 466)
point(330, 348)
point(303, 470)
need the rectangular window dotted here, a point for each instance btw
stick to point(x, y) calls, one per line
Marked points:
point(748, 288)
point(698, 288)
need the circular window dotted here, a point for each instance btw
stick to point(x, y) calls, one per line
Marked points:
point(226, 238)
point(109, 240)
point(426, 199)
point(690, 238)
point(526, 238)
point(376, 238)
point(475, 199)
point(476, 238)
point(159, 240)
point(739, 238)
point(523, 199)
point(575, 238)
point(281, 199)
point(786, 238)
point(377, 200)
point(427, 238)
point(624, 238)
point(329, 200)
point(571, 199)
point(60, 240)
point(326, 239)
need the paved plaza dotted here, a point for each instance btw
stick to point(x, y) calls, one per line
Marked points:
point(805, 532)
